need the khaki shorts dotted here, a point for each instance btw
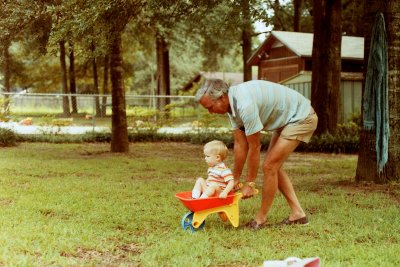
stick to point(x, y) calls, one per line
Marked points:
point(301, 130)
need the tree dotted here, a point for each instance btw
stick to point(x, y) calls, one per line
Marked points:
point(353, 17)
point(326, 63)
point(367, 167)
point(64, 80)
point(103, 22)
point(72, 79)
point(105, 85)
point(95, 81)
point(296, 15)
point(18, 17)
point(119, 139)
point(164, 19)
point(247, 32)
point(225, 27)
point(163, 71)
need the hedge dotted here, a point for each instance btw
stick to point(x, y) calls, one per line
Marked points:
point(344, 141)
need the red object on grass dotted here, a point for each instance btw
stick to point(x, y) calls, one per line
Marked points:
point(203, 203)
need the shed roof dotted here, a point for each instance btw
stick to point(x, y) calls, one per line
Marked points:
point(301, 44)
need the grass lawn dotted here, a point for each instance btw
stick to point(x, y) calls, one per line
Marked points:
point(78, 204)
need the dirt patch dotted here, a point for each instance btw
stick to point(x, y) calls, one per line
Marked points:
point(6, 201)
point(116, 257)
point(142, 150)
point(392, 190)
point(165, 150)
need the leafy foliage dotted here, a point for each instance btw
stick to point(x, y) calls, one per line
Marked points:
point(7, 137)
point(345, 141)
point(202, 35)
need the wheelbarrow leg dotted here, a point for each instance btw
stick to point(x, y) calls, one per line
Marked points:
point(231, 211)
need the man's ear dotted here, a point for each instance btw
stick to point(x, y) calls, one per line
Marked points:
point(226, 97)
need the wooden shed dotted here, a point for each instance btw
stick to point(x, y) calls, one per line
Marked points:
point(350, 91)
point(285, 54)
point(286, 58)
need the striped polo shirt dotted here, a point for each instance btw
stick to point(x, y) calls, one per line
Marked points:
point(219, 174)
point(261, 105)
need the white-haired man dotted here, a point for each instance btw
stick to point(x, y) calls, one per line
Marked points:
point(257, 106)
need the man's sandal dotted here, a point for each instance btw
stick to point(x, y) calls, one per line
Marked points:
point(253, 225)
point(301, 221)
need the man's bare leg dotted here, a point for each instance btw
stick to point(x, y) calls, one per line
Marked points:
point(278, 151)
point(286, 188)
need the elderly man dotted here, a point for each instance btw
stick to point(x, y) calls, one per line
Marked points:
point(252, 107)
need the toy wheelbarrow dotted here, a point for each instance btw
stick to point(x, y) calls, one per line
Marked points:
point(227, 208)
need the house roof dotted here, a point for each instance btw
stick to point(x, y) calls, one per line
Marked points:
point(301, 44)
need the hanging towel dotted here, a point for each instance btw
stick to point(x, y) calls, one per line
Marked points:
point(375, 105)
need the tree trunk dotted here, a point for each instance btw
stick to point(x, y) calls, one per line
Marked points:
point(277, 23)
point(119, 139)
point(6, 68)
point(296, 15)
point(7, 77)
point(105, 86)
point(163, 73)
point(393, 33)
point(326, 64)
point(64, 80)
point(246, 40)
point(72, 80)
point(367, 169)
point(95, 84)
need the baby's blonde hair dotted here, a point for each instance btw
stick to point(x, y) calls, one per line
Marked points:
point(217, 147)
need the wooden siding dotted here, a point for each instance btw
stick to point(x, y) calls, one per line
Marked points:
point(276, 70)
point(280, 52)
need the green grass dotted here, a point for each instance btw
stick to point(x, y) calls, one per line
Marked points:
point(79, 205)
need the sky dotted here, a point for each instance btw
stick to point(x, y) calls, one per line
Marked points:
point(261, 27)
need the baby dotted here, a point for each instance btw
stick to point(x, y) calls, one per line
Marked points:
point(220, 178)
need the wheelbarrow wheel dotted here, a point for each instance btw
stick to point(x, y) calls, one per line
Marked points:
point(187, 220)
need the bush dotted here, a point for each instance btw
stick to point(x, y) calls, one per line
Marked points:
point(329, 143)
point(7, 138)
point(346, 140)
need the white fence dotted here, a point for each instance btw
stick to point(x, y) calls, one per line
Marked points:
point(96, 110)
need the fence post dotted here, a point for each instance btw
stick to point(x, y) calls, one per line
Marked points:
point(198, 121)
point(94, 113)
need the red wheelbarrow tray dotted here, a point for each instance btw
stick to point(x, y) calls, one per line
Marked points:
point(203, 203)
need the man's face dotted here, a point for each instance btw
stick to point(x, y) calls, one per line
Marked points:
point(219, 106)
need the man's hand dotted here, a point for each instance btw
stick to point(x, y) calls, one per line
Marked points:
point(237, 186)
point(247, 191)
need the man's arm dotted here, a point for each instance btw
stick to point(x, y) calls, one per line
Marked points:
point(240, 151)
point(253, 160)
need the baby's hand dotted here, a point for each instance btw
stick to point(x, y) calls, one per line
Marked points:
point(223, 195)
